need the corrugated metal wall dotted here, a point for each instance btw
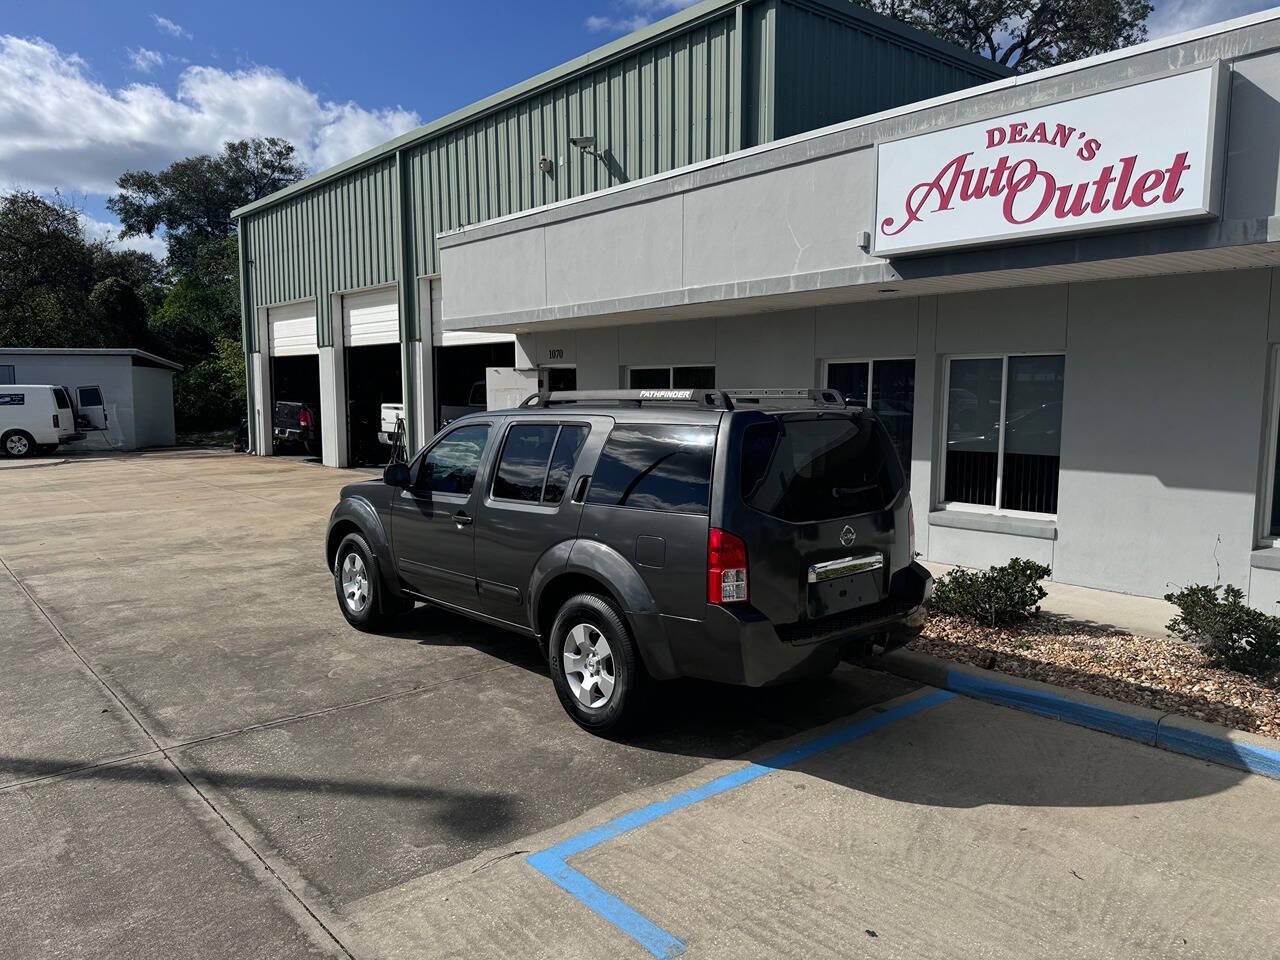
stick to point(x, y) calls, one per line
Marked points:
point(662, 107)
point(832, 69)
point(340, 236)
point(682, 99)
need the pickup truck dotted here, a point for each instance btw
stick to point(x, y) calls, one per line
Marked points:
point(296, 423)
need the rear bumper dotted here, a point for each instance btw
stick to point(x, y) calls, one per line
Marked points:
point(291, 434)
point(739, 645)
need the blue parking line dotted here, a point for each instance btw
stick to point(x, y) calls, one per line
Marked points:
point(552, 862)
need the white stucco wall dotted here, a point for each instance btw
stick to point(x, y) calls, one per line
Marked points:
point(1163, 409)
point(153, 407)
point(113, 374)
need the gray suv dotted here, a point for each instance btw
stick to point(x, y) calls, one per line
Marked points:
point(748, 537)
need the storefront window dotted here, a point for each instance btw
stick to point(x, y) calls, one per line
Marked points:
point(1004, 426)
point(662, 378)
point(888, 387)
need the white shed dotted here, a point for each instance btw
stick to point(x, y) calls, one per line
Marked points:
point(134, 388)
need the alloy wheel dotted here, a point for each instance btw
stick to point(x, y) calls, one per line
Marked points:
point(588, 666)
point(355, 583)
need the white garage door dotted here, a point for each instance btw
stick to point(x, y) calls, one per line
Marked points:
point(372, 317)
point(291, 329)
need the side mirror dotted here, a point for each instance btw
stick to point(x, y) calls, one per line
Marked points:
point(396, 475)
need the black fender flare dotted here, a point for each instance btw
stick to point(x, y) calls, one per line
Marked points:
point(360, 513)
point(616, 574)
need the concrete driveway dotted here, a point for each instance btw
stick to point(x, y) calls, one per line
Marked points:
point(201, 759)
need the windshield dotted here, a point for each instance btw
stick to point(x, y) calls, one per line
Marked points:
point(818, 468)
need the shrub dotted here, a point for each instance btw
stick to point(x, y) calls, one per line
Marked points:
point(1232, 633)
point(996, 596)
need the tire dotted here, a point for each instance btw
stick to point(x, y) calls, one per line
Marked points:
point(18, 443)
point(585, 624)
point(361, 596)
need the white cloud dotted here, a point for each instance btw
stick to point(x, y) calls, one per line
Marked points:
point(145, 60)
point(102, 230)
point(59, 128)
point(166, 25)
point(1177, 16)
point(646, 11)
point(616, 24)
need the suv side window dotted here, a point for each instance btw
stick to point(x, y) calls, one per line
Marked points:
point(655, 467)
point(522, 470)
point(451, 465)
point(568, 446)
point(537, 461)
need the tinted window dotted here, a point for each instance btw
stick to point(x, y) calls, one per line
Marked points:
point(655, 467)
point(523, 466)
point(566, 455)
point(61, 399)
point(450, 466)
point(818, 469)
point(90, 397)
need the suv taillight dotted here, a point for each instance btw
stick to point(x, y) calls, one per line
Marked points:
point(304, 417)
point(726, 567)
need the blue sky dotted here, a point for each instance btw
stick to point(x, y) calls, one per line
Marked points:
point(90, 89)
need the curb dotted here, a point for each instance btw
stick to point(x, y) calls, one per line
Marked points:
point(1169, 731)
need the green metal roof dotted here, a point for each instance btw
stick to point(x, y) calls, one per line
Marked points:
point(708, 9)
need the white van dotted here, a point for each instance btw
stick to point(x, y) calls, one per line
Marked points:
point(35, 419)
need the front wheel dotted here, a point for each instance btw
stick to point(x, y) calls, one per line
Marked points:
point(360, 595)
point(594, 665)
point(19, 443)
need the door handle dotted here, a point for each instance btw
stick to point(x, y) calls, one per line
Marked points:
point(461, 519)
point(580, 489)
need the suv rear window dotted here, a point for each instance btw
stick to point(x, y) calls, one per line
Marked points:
point(655, 467)
point(820, 468)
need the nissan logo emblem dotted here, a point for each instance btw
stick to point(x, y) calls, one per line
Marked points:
point(847, 536)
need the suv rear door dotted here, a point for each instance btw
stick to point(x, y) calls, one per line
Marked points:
point(649, 499)
point(529, 506)
point(813, 488)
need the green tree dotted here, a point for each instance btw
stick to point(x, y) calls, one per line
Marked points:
point(191, 201)
point(1026, 35)
point(59, 290)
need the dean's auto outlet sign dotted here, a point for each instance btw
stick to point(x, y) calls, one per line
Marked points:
point(1141, 153)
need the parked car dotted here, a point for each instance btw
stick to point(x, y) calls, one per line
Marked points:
point(296, 423)
point(748, 537)
point(35, 418)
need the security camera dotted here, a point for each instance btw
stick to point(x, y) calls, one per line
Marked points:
point(583, 143)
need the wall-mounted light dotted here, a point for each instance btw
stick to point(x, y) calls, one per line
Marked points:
point(545, 164)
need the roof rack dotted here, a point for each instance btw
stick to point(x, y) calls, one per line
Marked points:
point(800, 396)
point(710, 399)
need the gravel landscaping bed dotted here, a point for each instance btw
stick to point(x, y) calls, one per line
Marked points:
point(1163, 674)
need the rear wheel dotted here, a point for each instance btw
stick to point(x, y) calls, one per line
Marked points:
point(18, 443)
point(360, 596)
point(594, 665)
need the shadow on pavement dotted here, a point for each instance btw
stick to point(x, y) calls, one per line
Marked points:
point(962, 754)
point(463, 813)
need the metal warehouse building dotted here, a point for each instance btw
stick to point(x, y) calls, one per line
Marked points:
point(1058, 290)
point(341, 284)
